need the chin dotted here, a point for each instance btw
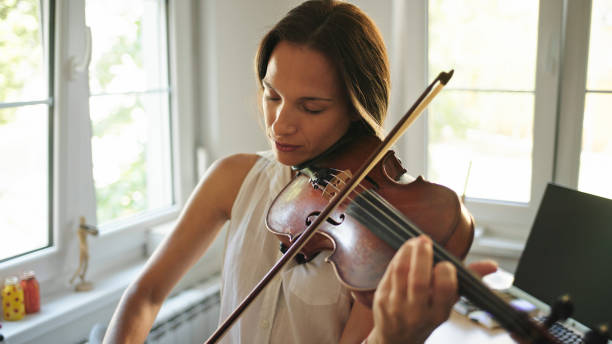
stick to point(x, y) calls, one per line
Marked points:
point(285, 159)
point(289, 159)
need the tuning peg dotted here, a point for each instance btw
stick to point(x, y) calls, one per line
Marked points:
point(598, 336)
point(561, 310)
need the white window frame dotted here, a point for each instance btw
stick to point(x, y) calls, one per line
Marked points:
point(74, 193)
point(562, 50)
point(573, 92)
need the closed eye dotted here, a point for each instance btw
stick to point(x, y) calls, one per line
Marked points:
point(313, 111)
point(314, 106)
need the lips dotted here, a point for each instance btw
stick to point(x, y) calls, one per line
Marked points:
point(283, 147)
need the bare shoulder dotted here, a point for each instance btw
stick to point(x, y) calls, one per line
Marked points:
point(237, 164)
point(223, 180)
point(230, 171)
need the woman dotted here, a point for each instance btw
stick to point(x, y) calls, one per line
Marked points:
point(324, 75)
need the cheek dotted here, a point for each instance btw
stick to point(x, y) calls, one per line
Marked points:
point(324, 134)
point(267, 113)
point(337, 126)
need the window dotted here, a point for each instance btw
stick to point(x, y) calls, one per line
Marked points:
point(513, 113)
point(90, 129)
point(129, 108)
point(26, 127)
point(483, 120)
point(596, 154)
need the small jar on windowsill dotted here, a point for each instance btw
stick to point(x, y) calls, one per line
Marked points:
point(12, 300)
point(31, 292)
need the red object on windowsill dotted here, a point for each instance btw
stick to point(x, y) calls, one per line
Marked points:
point(31, 291)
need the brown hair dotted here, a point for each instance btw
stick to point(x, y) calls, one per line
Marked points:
point(349, 38)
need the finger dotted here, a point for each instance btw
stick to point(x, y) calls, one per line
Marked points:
point(444, 290)
point(394, 277)
point(400, 267)
point(483, 267)
point(419, 279)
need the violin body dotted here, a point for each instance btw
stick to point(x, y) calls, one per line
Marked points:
point(359, 256)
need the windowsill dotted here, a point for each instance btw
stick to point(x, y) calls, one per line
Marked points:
point(497, 247)
point(68, 306)
point(505, 251)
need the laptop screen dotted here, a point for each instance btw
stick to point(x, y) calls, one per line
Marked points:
point(569, 251)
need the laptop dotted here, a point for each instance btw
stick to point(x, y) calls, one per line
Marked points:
point(569, 251)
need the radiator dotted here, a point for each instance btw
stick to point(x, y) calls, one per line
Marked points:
point(188, 317)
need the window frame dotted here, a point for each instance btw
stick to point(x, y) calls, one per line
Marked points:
point(74, 194)
point(573, 92)
point(148, 217)
point(47, 13)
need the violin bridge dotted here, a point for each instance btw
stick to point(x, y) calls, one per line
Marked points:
point(336, 183)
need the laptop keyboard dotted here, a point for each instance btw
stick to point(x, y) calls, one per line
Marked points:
point(563, 334)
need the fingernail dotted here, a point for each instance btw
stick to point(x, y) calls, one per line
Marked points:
point(424, 238)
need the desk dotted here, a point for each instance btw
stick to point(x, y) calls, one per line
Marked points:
point(459, 329)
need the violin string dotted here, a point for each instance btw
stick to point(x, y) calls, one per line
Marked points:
point(472, 282)
point(464, 277)
point(485, 296)
point(477, 289)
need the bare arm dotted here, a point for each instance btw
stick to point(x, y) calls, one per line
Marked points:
point(206, 211)
point(359, 324)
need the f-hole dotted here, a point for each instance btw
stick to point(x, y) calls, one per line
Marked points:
point(314, 214)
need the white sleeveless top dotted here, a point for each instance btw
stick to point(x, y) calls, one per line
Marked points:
point(305, 303)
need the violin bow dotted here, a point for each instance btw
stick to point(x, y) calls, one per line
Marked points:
point(417, 108)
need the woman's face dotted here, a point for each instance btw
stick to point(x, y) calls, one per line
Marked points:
point(304, 104)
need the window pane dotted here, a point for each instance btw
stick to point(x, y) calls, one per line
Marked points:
point(128, 51)
point(22, 72)
point(24, 180)
point(129, 107)
point(131, 154)
point(490, 44)
point(596, 156)
point(497, 146)
point(484, 118)
point(599, 73)
point(24, 131)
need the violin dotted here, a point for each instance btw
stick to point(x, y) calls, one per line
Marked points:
point(361, 236)
point(352, 203)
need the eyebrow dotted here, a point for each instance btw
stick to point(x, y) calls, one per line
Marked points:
point(267, 84)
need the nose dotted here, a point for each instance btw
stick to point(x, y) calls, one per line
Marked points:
point(284, 123)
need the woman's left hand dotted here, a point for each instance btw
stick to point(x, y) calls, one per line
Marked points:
point(414, 296)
